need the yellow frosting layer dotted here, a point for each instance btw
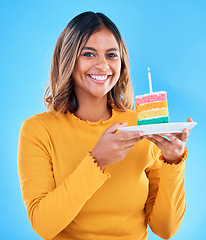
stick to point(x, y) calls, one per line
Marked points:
point(152, 113)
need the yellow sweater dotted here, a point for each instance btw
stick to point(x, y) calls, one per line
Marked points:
point(68, 197)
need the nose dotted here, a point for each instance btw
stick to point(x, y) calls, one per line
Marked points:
point(102, 63)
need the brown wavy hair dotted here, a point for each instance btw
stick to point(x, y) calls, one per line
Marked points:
point(60, 94)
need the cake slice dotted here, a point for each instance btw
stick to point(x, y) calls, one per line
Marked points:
point(152, 108)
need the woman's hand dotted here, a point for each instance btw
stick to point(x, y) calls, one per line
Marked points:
point(112, 147)
point(172, 149)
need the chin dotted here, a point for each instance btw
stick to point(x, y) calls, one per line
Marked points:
point(99, 93)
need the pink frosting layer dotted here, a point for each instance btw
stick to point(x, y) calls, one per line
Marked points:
point(151, 98)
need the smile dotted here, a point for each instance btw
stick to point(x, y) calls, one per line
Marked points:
point(99, 78)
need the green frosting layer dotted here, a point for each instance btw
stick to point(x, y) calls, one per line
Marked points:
point(153, 121)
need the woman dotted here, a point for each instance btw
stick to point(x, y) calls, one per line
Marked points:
point(80, 177)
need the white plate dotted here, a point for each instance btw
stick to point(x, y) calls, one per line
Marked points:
point(160, 128)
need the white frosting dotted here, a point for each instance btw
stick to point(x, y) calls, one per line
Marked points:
point(150, 94)
point(153, 117)
point(154, 109)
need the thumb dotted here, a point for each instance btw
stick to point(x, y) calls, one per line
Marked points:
point(189, 119)
point(115, 126)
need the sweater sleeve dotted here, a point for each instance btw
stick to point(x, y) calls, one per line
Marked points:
point(166, 204)
point(51, 208)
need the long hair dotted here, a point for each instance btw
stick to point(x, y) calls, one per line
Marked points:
point(60, 94)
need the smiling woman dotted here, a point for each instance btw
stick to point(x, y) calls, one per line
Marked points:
point(81, 178)
point(75, 43)
point(97, 71)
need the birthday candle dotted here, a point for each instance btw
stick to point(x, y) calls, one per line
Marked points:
point(150, 80)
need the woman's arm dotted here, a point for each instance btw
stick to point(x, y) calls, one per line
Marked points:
point(51, 208)
point(166, 204)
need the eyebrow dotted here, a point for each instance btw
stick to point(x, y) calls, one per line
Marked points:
point(108, 50)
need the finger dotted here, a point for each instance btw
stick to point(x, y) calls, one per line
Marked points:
point(115, 126)
point(160, 141)
point(131, 142)
point(174, 138)
point(178, 135)
point(159, 138)
point(185, 135)
point(128, 148)
point(130, 135)
point(158, 144)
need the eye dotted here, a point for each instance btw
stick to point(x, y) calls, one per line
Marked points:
point(88, 54)
point(112, 55)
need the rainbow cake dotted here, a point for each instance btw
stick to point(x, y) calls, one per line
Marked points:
point(152, 108)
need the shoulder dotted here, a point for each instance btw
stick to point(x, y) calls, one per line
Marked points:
point(41, 120)
point(43, 117)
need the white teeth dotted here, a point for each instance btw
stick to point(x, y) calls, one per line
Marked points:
point(98, 77)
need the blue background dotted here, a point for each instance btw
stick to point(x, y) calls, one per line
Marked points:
point(167, 36)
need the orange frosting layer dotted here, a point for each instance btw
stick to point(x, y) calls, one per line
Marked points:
point(150, 106)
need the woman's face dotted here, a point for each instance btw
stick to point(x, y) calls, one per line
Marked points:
point(98, 67)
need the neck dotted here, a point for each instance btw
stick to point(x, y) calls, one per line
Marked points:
point(94, 111)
